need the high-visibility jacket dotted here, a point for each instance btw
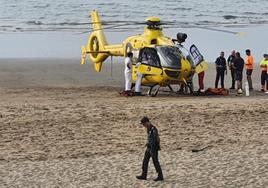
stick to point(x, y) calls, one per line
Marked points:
point(249, 62)
point(264, 65)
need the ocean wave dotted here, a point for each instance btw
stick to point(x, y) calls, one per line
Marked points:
point(74, 15)
point(35, 22)
point(251, 13)
point(41, 6)
point(229, 17)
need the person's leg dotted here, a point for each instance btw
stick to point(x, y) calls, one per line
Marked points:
point(239, 80)
point(157, 165)
point(266, 76)
point(233, 79)
point(201, 80)
point(249, 72)
point(263, 79)
point(222, 78)
point(138, 83)
point(217, 79)
point(145, 163)
point(128, 81)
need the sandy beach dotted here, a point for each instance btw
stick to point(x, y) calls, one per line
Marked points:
point(63, 125)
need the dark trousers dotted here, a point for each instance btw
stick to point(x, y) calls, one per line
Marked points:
point(249, 73)
point(145, 163)
point(233, 77)
point(220, 74)
point(264, 79)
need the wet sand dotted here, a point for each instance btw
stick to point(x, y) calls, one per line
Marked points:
point(62, 125)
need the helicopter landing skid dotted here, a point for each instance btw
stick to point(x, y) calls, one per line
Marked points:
point(186, 88)
point(152, 92)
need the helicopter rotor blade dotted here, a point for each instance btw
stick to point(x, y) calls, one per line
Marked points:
point(117, 26)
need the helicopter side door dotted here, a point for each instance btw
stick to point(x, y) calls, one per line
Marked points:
point(199, 62)
point(149, 62)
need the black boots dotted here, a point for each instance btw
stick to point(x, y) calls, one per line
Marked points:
point(141, 177)
point(159, 178)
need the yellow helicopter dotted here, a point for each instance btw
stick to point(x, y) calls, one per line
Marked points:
point(171, 63)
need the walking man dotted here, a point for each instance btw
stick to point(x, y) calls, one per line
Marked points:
point(230, 61)
point(249, 62)
point(220, 68)
point(152, 147)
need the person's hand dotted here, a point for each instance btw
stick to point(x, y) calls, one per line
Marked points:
point(138, 64)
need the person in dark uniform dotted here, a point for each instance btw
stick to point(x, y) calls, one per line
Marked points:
point(239, 66)
point(230, 61)
point(221, 69)
point(152, 148)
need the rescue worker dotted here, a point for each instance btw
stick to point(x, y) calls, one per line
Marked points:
point(264, 69)
point(128, 72)
point(249, 62)
point(230, 62)
point(238, 67)
point(220, 64)
point(144, 60)
point(152, 148)
point(201, 76)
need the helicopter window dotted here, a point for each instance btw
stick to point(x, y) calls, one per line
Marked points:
point(149, 56)
point(170, 56)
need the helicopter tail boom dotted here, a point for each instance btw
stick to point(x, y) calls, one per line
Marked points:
point(95, 48)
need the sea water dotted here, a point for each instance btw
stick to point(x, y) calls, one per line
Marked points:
point(54, 15)
point(57, 28)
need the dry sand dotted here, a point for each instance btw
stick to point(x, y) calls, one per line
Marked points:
point(61, 126)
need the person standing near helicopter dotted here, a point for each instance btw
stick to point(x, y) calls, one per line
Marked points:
point(144, 60)
point(128, 72)
point(221, 69)
point(249, 62)
point(230, 61)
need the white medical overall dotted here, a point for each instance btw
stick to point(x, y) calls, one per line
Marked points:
point(138, 81)
point(128, 65)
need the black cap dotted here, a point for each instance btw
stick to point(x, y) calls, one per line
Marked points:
point(144, 119)
point(265, 55)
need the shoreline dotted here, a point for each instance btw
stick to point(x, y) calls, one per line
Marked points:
point(67, 72)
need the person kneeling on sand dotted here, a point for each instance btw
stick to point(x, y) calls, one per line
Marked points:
point(152, 148)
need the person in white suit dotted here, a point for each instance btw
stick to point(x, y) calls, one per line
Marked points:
point(128, 71)
point(144, 60)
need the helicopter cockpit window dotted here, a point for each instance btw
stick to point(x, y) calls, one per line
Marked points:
point(149, 56)
point(170, 56)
